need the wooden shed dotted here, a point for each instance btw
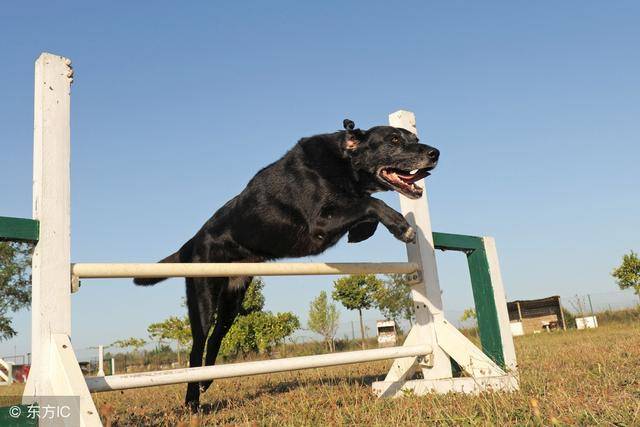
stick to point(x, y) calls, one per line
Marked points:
point(536, 315)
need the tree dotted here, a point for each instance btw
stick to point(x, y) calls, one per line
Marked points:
point(135, 343)
point(627, 275)
point(256, 330)
point(357, 292)
point(323, 319)
point(15, 283)
point(259, 332)
point(175, 329)
point(272, 329)
point(468, 314)
point(254, 298)
point(393, 298)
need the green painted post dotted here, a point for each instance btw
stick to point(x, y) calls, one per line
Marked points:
point(19, 229)
point(486, 310)
point(456, 242)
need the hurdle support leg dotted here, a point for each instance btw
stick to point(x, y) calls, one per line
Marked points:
point(100, 361)
point(493, 367)
point(54, 368)
point(426, 294)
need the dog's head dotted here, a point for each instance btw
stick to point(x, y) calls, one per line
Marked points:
point(389, 158)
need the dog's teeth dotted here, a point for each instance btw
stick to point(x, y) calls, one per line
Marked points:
point(415, 171)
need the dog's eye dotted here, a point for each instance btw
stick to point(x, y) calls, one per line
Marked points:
point(395, 139)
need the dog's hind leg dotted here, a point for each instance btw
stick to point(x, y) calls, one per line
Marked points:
point(229, 305)
point(201, 302)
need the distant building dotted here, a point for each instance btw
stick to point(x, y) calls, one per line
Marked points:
point(537, 315)
point(587, 322)
point(387, 335)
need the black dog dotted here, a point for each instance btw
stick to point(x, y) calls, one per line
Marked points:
point(298, 206)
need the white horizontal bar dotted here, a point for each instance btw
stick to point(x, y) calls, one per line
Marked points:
point(104, 271)
point(176, 376)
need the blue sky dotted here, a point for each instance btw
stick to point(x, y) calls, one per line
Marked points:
point(534, 106)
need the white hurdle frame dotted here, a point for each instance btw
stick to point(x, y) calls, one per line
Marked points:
point(429, 348)
point(431, 325)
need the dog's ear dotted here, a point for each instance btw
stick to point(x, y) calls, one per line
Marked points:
point(353, 136)
point(348, 124)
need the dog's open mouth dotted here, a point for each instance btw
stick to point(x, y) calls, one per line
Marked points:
point(404, 181)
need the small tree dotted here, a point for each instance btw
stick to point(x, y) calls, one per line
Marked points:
point(627, 275)
point(256, 330)
point(323, 319)
point(357, 292)
point(175, 329)
point(135, 343)
point(254, 298)
point(393, 298)
point(259, 332)
point(15, 283)
point(468, 314)
point(272, 329)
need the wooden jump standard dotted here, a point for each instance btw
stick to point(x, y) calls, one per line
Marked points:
point(430, 347)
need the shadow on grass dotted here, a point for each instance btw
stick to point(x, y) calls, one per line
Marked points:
point(288, 386)
point(215, 406)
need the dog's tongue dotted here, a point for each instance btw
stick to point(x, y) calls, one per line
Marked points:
point(409, 177)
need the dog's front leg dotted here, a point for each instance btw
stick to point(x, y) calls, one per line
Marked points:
point(393, 220)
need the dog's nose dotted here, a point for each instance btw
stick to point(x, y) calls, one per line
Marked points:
point(433, 154)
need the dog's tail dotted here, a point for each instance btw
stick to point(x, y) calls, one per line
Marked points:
point(149, 281)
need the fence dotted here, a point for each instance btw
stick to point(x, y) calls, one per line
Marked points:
point(592, 303)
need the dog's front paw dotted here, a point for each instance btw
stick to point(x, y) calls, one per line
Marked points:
point(409, 236)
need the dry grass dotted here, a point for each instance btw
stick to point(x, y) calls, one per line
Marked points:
point(576, 377)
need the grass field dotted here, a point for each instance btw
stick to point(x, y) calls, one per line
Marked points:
point(587, 377)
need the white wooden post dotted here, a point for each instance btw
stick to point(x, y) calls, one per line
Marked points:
point(51, 299)
point(100, 361)
point(113, 366)
point(54, 368)
point(426, 294)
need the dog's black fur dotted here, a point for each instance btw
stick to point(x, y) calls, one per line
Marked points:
point(298, 206)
